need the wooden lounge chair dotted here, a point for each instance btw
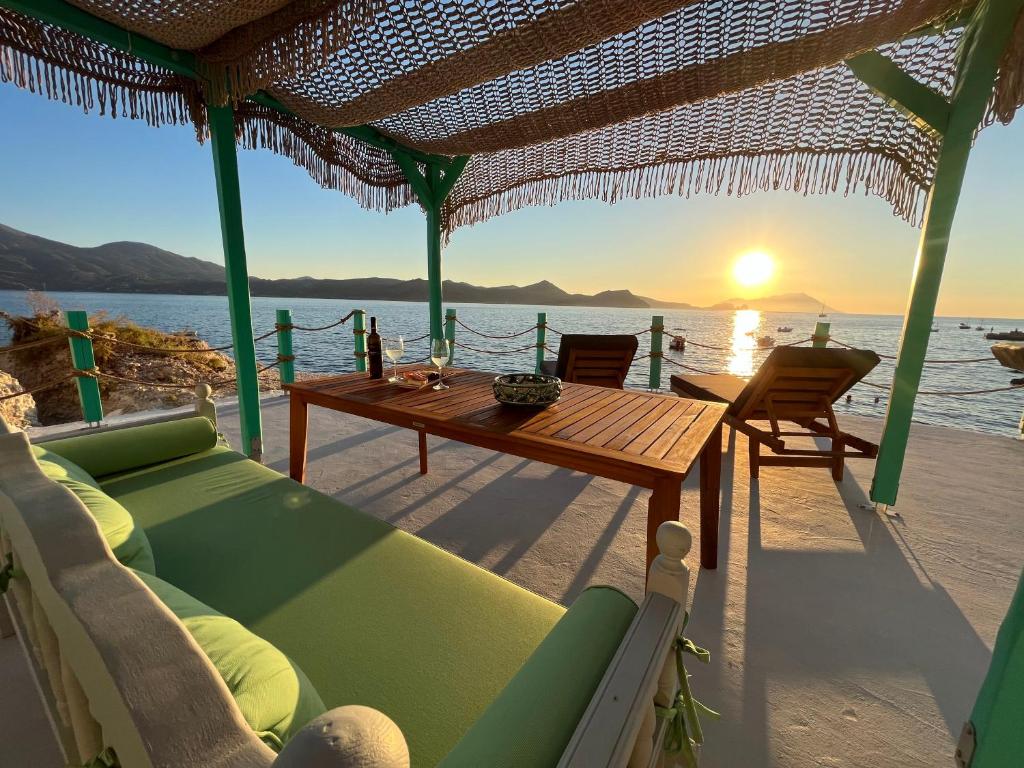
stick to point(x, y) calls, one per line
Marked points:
point(601, 360)
point(795, 384)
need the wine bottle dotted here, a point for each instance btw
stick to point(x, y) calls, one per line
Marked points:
point(373, 351)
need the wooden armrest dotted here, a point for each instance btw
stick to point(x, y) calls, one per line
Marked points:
point(610, 726)
point(619, 727)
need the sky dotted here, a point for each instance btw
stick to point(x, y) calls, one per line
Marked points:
point(87, 180)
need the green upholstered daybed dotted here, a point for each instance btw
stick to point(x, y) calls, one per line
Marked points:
point(189, 606)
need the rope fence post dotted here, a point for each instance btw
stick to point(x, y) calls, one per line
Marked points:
point(285, 351)
point(657, 330)
point(449, 333)
point(359, 332)
point(821, 334)
point(542, 332)
point(83, 359)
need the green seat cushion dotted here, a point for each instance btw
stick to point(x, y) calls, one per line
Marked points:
point(274, 695)
point(120, 450)
point(127, 540)
point(56, 467)
point(374, 615)
point(563, 673)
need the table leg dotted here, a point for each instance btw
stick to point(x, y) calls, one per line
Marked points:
point(423, 452)
point(710, 492)
point(298, 421)
point(663, 505)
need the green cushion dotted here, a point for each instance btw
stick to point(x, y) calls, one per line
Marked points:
point(273, 693)
point(120, 450)
point(563, 673)
point(373, 615)
point(127, 541)
point(58, 468)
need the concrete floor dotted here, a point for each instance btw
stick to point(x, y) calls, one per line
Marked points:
point(839, 636)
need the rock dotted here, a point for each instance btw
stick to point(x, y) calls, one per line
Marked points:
point(1010, 355)
point(18, 412)
point(41, 364)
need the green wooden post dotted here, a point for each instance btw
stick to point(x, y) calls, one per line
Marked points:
point(434, 258)
point(83, 359)
point(657, 331)
point(821, 334)
point(542, 335)
point(225, 166)
point(359, 332)
point(285, 352)
point(432, 187)
point(449, 333)
point(985, 40)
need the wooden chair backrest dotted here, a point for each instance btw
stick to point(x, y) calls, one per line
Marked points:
point(797, 384)
point(602, 361)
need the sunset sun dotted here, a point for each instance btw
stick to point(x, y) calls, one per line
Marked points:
point(753, 268)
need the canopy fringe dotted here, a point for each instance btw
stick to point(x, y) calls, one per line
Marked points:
point(297, 39)
point(1009, 90)
point(806, 171)
point(110, 83)
point(333, 161)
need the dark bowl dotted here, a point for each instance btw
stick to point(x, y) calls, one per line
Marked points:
point(530, 389)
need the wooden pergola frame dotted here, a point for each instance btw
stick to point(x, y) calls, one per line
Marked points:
point(955, 121)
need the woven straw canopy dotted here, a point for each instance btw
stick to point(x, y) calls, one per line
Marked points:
point(553, 99)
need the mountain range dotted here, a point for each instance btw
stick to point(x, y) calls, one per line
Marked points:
point(30, 262)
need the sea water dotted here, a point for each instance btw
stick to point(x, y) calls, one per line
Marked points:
point(728, 332)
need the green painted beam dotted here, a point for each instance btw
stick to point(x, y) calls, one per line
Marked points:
point(432, 187)
point(434, 256)
point(985, 41)
point(229, 198)
point(926, 108)
point(365, 133)
point(451, 175)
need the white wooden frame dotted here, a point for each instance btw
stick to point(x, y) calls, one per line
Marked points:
point(619, 727)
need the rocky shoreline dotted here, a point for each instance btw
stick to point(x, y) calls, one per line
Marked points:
point(171, 364)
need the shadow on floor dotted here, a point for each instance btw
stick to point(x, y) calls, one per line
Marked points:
point(827, 612)
point(514, 531)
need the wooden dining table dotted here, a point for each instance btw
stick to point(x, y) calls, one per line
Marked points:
point(641, 438)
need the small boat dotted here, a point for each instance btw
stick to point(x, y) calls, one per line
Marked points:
point(979, 327)
point(823, 313)
point(749, 333)
point(934, 329)
point(765, 342)
point(678, 343)
point(784, 329)
point(964, 326)
point(1015, 335)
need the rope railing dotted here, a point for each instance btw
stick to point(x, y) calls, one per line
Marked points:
point(523, 332)
point(927, 361)
point(461, 345)
point(285, 357)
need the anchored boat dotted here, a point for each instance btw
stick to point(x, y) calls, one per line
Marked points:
point(1015, 335)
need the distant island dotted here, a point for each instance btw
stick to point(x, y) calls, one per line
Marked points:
point(29, 262)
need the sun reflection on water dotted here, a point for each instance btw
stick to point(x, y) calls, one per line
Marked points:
point(745, 323)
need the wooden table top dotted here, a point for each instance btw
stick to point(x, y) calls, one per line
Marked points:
point(624, 434)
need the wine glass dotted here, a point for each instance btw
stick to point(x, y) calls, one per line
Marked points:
point(394, 348)
point(439, 352)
